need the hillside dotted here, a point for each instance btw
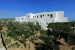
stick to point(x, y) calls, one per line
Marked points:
point(27, 36)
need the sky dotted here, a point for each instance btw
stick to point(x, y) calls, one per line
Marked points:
point(17, 8)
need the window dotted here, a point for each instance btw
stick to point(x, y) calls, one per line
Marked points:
point(33, 16)
point(37, 23)
point(40, 16)
point(43, 15)
point(47, 15)
point(51, 15)
point(37, 16)
point(22, 18)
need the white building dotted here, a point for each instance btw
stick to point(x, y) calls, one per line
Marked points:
point(43, 18)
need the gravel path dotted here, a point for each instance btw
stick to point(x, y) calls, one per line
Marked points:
point(2, 49)
point(1, 44)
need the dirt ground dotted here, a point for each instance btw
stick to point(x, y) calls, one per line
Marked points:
point(32, 45)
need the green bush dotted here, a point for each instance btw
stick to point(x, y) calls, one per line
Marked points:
point(7, 40)
point(3, 33)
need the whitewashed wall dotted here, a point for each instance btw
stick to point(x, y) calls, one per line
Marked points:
point(57, 17)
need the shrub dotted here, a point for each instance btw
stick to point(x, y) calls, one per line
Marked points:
point(3, 33)
point(7, 40)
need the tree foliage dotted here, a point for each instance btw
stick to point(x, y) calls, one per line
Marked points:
point(56, 31)
point(21, 31)
point(63, 30)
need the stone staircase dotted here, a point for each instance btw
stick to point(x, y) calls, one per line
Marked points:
point(43, 24)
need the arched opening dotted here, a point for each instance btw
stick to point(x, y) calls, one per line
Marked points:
point(37, 23)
